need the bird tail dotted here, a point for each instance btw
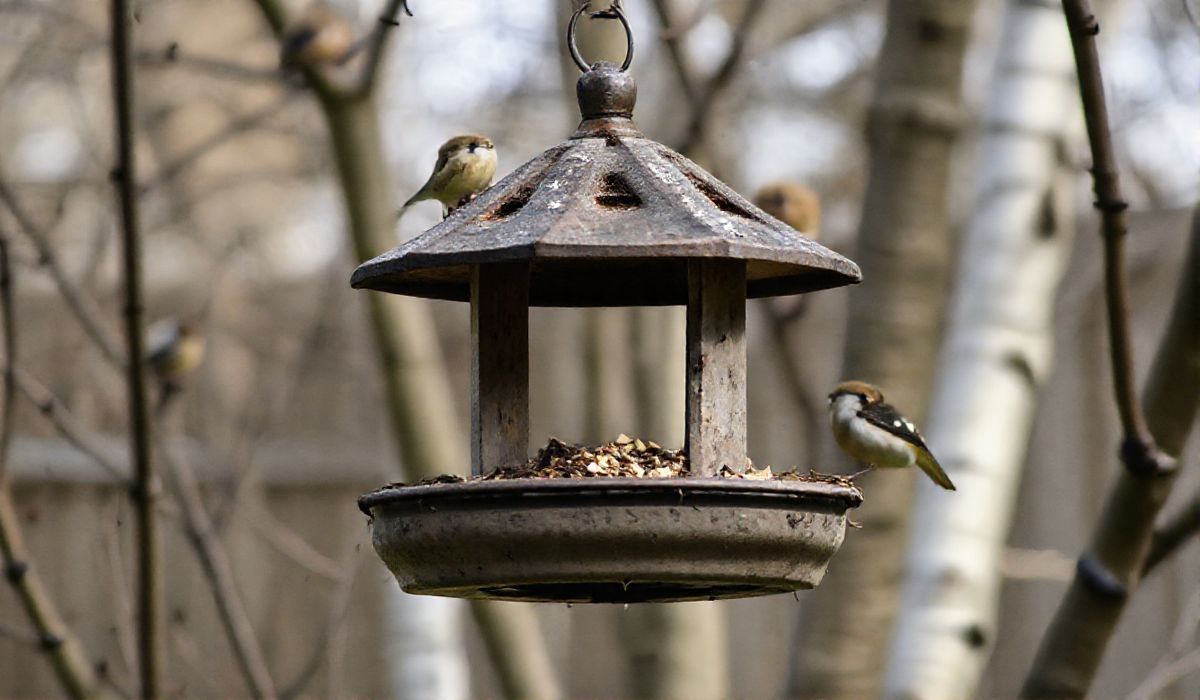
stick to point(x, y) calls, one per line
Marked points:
point(930, 466)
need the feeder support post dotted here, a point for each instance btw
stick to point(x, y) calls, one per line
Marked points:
point(499, 365)
point(716, 365)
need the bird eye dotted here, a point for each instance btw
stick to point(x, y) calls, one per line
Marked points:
point(474, 145)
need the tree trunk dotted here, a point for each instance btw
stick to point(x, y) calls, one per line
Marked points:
point(894, 324)
point(1110, 570)
point(997, 355)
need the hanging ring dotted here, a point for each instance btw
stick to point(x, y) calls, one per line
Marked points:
point(613, 12)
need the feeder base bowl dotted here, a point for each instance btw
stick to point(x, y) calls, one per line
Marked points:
point(609, 540)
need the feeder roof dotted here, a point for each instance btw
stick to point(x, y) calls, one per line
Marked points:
point(607, 218)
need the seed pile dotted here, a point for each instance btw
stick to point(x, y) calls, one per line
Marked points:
point(624, 457)
point(765, 474)
point(629, 457)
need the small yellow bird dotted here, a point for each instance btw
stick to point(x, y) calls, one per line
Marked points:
point(174, 350)
point(318, 37)
point(464, 168)
point(874, 433)
point(792, 203)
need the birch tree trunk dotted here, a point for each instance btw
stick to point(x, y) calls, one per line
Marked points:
point(997, 354)
point(895, 318)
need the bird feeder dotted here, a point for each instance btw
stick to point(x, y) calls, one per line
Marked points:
point(609, 218)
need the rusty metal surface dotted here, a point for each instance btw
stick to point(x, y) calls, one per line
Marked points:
point(609, 540)
point(607, 218)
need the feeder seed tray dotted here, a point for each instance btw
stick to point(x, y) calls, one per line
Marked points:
point(609, 540)
point(562, 528)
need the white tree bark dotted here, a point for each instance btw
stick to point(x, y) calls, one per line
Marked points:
point(427, 659)
point(996, 354)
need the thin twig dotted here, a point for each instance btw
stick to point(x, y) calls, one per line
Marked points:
point(683, 69)
point(1139, 451)
point(273, 11)
point(339, 606)
point(122, 606)
point(785, 353)
point(682, 27)
point(702, 103)
point(214, 560)
point(150, 648)
point(77, 301)
point(55, 639)
point(235, 127)
point(1166, 676)
point(378, 42)
point(173, 57)
point(291, 545)
point(1173, 534)
point(66, 425)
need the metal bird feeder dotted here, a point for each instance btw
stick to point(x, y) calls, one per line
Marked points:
point(608, 218)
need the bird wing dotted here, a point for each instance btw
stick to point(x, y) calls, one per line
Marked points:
point(884, 417)
point(430, 184)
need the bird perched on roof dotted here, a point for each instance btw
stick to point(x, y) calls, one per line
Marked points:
point(320, 36)
point(464, 168)
point(874, 433)
point(174, 349)
point(792, 203)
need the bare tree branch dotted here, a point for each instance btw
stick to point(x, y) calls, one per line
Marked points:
point(1173, 534)
point(702, 102)
point(1166, 676)
point(150, 646)
point(378, 43)
point(80, 304)
point(55, 639)
point(1107, 574)
point(173, 57)
point(285, 541)
point(217, 568)
point(339, 606)
point(54, 411)
point(235, 127)
point(673, 40)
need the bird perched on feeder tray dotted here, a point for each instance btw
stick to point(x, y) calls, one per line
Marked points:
point(464, 168)
point(874, 433)
point(792, 203)
point(320, 36)
point(174, 350)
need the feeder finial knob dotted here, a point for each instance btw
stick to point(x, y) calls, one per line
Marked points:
point(606, 91)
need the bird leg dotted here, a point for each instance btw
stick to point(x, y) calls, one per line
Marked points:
point(855, 475)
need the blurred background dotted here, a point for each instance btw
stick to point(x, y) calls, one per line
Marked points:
point(285, 421)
